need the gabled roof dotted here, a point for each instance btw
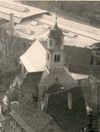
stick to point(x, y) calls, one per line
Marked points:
point(78, 59)
point(20, 121)
point(70, 120)
point(34, 59)
point(20, 11)
point(30, 117)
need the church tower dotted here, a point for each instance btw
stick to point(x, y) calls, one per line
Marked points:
point(55, 50)
point(55, 71)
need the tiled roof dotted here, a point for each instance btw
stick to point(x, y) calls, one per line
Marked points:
point(69, 120)
point(31, 115)
point(20, 121)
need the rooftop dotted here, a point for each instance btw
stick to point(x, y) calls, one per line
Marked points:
point(74, 27)
point(20, 11)
point(72, 56)
point(34, 59)
point(30, 29)
point(95, 46)
point(31, 117)
point(39, 28)
point(78, 76)
point(70, 120)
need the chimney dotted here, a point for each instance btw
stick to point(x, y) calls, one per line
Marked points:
point(11, 24)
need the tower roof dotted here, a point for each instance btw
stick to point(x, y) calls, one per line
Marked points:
point(56, 32)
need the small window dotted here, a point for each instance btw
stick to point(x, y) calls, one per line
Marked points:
point(58, 58)
point(70, 101)
point(55, 58)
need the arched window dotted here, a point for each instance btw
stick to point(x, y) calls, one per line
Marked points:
point(58, 58)
point(55, 58)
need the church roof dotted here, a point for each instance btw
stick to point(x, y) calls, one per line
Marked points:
point(69, 120)
point(34, 59)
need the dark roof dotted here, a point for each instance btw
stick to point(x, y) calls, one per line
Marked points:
point(57, 87)
point(31, 81)
point(29, 114)
point(55, 32)
point(69, 120)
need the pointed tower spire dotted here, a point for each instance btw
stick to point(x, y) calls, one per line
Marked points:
point(56, 18)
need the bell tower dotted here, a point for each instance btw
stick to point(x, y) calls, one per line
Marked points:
point(55, 49)
point(55, 71)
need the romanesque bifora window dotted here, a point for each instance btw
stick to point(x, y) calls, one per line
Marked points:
point(57, 58)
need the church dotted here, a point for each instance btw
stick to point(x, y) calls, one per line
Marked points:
point(48, 99)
